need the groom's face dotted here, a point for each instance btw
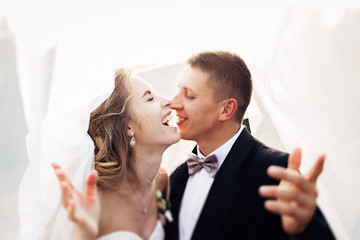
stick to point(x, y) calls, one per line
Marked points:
point(195, 106)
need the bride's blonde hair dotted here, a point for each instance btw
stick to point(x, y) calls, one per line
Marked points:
point(108, 129)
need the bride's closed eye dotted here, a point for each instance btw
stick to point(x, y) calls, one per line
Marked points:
point(149, 96)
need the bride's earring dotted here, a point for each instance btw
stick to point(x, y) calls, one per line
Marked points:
point(132, 140)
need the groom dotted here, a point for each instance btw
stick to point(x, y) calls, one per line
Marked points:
point(226, 196)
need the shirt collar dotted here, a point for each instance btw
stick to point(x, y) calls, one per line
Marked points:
point(223, 150)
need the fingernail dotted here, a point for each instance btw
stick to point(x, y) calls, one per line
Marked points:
point(263, 189)
point(267, 204)
point(274, 170)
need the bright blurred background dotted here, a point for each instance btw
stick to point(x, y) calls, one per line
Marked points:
point(304, 57)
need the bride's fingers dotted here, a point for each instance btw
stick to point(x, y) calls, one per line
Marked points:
point(60, 174)
point(64, 194)
point(55, 166)
point(63, 178)
point(72, 212)
point(91, 189)
point(67, 194)
point(76, 216)
point(73, 215)
point(57, 171)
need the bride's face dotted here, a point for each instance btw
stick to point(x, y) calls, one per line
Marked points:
point(154, 113)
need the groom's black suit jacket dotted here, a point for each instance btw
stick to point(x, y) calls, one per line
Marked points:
point(234, 209)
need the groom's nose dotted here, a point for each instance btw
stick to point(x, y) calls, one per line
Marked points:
point(175, 106)
point(175, 103)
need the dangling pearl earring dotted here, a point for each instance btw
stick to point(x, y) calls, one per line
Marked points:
point(132, 140)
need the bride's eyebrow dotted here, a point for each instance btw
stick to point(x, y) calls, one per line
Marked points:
point(146, 93)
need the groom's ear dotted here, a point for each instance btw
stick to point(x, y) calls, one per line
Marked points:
point(228, 109)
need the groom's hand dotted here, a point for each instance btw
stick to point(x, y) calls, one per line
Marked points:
point(295, 197)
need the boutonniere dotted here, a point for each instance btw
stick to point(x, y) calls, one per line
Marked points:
point(163, 208)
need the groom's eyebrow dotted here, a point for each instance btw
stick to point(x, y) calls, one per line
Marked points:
point(186, 88)
point(146, 93)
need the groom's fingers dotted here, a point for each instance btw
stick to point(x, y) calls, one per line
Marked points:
point(294, 177)
point(289, 209)
point(294, 160)
point(288, 195)
point(316, 169)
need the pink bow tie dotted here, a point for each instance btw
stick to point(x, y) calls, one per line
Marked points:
point(195, 164)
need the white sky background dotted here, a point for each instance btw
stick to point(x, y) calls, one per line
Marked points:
point(142, 32)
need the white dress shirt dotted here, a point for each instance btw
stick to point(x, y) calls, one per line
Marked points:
point(197, 189)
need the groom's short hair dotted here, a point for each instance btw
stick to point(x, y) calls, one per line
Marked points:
point(229, 77)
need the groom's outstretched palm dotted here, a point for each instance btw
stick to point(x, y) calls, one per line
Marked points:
point(295, 197)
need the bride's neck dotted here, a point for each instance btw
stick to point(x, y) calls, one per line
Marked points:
point(147, 164)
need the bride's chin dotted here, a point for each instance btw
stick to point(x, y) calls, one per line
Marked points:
point(173, 140)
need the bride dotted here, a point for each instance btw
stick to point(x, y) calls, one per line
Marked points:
point(126, 195)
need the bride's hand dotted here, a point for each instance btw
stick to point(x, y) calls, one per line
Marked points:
point(83, 209)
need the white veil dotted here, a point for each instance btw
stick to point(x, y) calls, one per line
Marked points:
point(79, 84)
point(310, 90)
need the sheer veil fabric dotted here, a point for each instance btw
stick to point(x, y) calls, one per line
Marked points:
point(309, 87)
point(79, 84)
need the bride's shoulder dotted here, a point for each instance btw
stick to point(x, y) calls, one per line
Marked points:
point(161, 179)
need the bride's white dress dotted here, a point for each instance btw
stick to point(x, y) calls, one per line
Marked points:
point(157, 234)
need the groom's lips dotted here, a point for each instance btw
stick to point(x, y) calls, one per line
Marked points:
point(180, 120)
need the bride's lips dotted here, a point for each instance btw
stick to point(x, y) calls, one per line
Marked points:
point(166, 118)
point(169, 120)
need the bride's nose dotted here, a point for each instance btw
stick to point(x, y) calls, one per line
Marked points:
point(165, 102)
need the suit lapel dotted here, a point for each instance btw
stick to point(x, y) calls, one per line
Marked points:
point(177, 190)
point(226, 182)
